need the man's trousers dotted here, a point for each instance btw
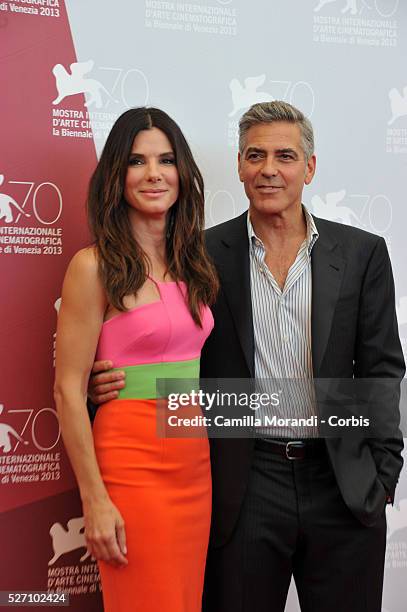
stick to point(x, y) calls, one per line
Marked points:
point(294, 522)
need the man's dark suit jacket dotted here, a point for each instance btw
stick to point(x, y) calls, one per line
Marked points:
point(354, 334)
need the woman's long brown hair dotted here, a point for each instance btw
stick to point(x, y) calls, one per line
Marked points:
point(123, 265)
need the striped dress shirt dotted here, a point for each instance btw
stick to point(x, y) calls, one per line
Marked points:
point(282, 336)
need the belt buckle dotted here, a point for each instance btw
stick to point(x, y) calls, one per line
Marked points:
point(293, 444)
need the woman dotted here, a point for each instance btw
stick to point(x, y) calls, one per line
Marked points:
point(139, 297)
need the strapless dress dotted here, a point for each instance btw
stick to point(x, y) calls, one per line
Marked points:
point(161, 485)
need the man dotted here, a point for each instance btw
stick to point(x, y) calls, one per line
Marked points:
point(300, 298)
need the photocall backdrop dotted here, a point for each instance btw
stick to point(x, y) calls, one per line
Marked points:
point(68, 70)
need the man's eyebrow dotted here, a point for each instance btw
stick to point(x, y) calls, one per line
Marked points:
point(287, 150)
point(254, 150)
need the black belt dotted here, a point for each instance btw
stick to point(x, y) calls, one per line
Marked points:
point(293, 449)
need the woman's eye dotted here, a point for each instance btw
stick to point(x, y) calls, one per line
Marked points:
point(168, 160)
point(135, 161)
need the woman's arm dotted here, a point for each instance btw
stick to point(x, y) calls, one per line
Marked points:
point(79, 324)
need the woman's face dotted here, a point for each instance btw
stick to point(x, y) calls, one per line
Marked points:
point(152, 182)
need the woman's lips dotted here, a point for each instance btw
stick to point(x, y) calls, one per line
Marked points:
point(153, 193)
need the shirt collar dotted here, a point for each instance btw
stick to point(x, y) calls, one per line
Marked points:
point(311, 237)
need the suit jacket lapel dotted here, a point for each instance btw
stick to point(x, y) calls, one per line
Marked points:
point(328, 267)
point(234, 269)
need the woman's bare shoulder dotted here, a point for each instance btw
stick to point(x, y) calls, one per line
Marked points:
point(85, 262)
point(83, 272)
point(85, 259)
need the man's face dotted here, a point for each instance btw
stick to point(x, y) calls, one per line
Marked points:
point(272, 167)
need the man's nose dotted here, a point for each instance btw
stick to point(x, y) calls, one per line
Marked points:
point(269, 167)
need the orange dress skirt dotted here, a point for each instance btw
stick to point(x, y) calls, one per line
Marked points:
point(162, 489)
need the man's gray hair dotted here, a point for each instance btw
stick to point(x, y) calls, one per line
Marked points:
point(268, 112)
